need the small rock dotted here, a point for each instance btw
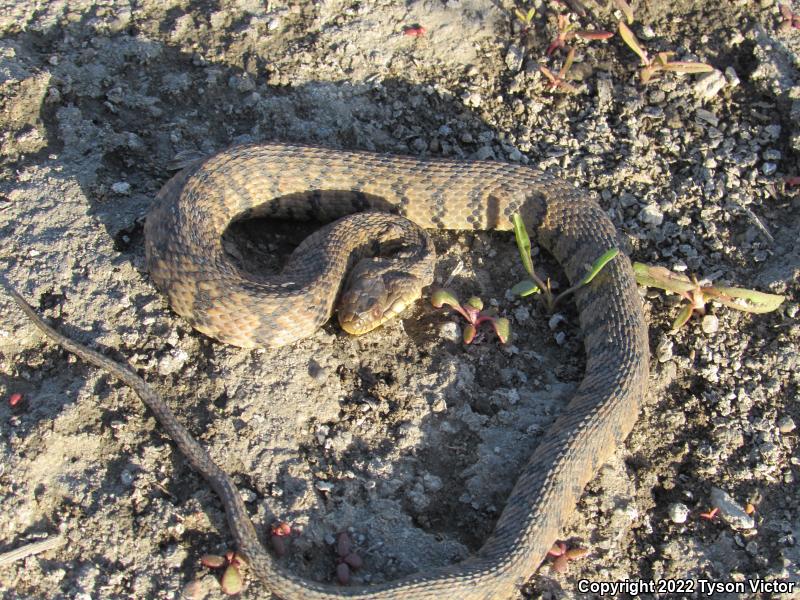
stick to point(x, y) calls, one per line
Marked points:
point(709, 85)
point(522, 314)
point(121, 187)
point(651, 215)
point(514, 58)
point(710, 324)
point(472, 99)
point(678, 512)
point(316, 371)
point(786, 424)
point(248, 495)
point(126, 477)
point(484, 152)
point(707, 116)
point(555, 320)
point(450, 331)
point(664, 350)
point(172, 362)
point(560, 337)
point(730, 511)
point(732, 77)
point(647, 32)
point(324, 486)
point(431, 482)
point(768, 168)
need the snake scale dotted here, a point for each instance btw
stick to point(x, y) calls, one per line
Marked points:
point(187, 261)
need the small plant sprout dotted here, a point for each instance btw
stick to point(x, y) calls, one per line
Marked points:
point(557, 80)
point(662, 62)
point(472, 311)
point(568, 30)
point(526, 18)
point(791, 20)
point(698, 294)
point(625, 9)
point(526, 287)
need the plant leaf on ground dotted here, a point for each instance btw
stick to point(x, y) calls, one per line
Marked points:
point(526, 287)
point(698, 294)
point(661, 63)
point(472, 311)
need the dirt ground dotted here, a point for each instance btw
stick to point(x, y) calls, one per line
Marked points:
point(404, 437)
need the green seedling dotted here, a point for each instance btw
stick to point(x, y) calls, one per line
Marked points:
point(698, 294)
point(662, 62)
point(557, 80)
point(626, 10)
point(534, 285)
point(568, 30)
point(526, 18)
point(472, 311)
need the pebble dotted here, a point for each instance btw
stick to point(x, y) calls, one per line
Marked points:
point(707, 116)
point(514, 58)
point(732, 77)
point(172, 362)
point(522, 314)
point(651, 215)
point(472, 99)
point(126, 477)
point(324, 486)
point(664, 350)
point(484, 152)
point(678, 512)
point(731, 512)
point(555, 320)
point(560, 337)
point(450, 331)
point(710, 324)
point(647, 32)
point(768, 168)
point(709, 85)
point(121, 187)
point(786, 425)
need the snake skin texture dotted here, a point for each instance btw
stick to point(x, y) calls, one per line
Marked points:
point(187, 262)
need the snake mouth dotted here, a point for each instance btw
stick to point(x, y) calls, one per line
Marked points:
point(360, 322)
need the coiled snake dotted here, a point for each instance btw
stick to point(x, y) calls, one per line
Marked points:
point(187, 262)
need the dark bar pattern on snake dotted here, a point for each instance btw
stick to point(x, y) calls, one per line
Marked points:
point(188, 264)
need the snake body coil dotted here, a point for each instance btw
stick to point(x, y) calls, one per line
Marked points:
point(187, 262)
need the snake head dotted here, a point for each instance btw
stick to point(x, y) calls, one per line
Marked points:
point(375, 292)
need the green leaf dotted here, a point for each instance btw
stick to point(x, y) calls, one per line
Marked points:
point(626, 10)
point(525, 288)
point(441, 297)
point(469, 333)
point(630, 39)
point(743, 299)
point(599, 264)
point(662, 278)
point(231, 582)
point(683, 316)
point(687, 67)
point(502, 327)
point(523, 242)
point(475, 303)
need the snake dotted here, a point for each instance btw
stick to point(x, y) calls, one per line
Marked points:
point(186, 259)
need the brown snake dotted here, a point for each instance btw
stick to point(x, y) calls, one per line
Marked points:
point(186, 261)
